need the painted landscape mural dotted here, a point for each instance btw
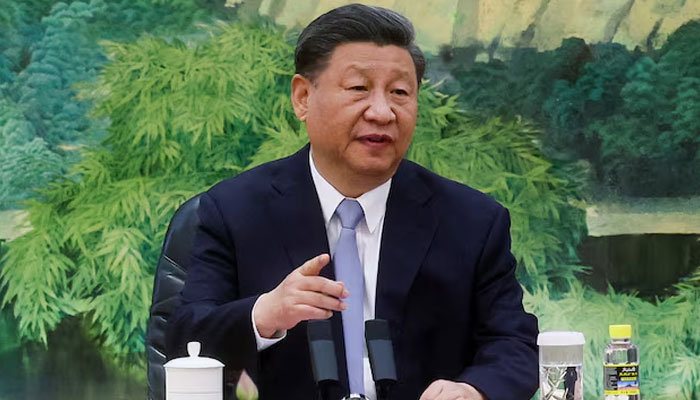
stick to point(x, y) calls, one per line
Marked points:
point(582, 117)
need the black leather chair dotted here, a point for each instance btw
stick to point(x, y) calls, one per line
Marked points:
point(169, 281)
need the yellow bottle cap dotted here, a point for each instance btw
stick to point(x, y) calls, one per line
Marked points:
point(620, 331)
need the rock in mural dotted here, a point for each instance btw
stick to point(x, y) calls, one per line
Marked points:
point(518, 23)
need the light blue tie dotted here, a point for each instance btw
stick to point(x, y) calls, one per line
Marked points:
point(348, 270)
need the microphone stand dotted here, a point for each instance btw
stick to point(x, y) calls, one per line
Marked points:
point(323, 360)
point(324, 390)
point(381, 356)
point(383, 389)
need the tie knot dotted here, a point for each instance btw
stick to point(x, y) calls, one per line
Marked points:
point(350, 213)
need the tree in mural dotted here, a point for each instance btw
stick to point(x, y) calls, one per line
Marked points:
point(629, 141)
point(8, 39)
point(20, 28)
point(46, 49)
point(41, 114)
point(631, 115)
point(595, 95)
point(522, 84)
point(685, 139)
point(652, 133)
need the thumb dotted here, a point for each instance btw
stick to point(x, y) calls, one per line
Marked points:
point(314, 266)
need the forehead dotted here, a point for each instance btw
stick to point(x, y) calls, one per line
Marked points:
point(371, 58)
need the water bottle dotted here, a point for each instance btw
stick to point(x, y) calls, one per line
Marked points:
point(621, 367)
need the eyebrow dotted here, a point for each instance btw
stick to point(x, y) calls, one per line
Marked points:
point(402, 73)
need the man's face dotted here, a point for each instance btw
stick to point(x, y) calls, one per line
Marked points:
point(360, 111)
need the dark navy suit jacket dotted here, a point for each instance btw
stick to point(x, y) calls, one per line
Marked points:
point(446, 282)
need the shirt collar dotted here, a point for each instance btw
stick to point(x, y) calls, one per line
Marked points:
point(373, 203)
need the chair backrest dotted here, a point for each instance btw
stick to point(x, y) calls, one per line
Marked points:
point(169, 281)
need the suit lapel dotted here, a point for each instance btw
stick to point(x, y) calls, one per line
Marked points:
point(296, 211)
point(298, 222)
point(409, 226)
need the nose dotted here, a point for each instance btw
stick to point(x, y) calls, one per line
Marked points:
point(379, 109)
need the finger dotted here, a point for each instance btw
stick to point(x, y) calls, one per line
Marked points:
point(306, 312)
point(324, 285)
point(432, 391)
point(321, 300)
point(472, 392)
point(314, 266)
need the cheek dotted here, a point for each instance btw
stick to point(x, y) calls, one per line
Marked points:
point(331, 111)
point(406, 137)
point(318, 123)
point(408, 110)
point(407, 123)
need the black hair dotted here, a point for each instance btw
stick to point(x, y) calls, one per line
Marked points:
point(349, 24)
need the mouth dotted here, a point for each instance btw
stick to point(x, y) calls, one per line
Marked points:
point(376, 139)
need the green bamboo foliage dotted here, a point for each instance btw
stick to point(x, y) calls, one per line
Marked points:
point(183, 116)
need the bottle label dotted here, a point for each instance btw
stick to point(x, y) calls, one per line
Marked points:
point(621, 379)
point(561, 382)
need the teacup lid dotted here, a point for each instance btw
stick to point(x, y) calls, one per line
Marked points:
point(194, 360)
point(561, 338)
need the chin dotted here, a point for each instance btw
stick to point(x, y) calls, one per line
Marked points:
point(377, 170)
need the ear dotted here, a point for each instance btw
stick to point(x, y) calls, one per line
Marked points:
point(301, 88)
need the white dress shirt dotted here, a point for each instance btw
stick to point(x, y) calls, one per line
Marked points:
point(368, 234)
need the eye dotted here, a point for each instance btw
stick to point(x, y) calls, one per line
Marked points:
point(400, 92)
point(358, 88)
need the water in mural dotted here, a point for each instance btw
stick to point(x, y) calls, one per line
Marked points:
point(583, 118)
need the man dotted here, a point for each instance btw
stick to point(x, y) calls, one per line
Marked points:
point(429, 255)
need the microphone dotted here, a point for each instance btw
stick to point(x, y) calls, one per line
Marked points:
point(322, 351)
point(381, 356)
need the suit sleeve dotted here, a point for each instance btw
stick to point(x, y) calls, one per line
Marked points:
point(211, 310)
point(505, 366)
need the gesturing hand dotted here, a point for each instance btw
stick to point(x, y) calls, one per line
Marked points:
point(301, 296)
point(448, 390)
